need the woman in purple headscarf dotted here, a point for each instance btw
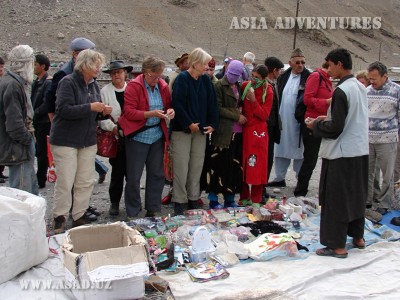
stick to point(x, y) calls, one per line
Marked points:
point(224, 162)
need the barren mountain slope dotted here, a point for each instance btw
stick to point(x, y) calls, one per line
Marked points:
point(132, 29)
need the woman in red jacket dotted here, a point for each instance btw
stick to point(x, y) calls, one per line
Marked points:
point(147, 106)
point(317, 97)
point(257, 103)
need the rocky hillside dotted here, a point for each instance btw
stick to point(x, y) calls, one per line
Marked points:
point(132, 29)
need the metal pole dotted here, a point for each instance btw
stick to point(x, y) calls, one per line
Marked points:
point(295, 25)
point(380, 47)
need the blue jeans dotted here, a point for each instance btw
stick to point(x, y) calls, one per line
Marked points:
point(100, 167)
point(23, 176)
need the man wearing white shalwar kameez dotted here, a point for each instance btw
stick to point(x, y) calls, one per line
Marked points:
point(290, 87)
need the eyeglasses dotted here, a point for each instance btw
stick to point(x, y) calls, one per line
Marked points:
point(300, 62)
point(154, 76)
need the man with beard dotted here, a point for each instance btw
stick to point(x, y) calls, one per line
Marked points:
point(17, 145)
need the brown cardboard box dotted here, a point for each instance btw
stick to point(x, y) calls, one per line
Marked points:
point(105, 261)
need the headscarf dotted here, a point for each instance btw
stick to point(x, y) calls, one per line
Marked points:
point(234, 71)
point(21, 60)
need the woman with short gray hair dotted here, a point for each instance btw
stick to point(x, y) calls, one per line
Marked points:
point(73, 138)
point(147, 106)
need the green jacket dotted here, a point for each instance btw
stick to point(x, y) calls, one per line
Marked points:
point(229, 113)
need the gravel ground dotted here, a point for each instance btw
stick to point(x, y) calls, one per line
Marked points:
point(100, 197)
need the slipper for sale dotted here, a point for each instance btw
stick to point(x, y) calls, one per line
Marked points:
point(330, 252)
point(355, 245)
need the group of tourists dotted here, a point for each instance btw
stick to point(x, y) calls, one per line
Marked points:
point(224, 132)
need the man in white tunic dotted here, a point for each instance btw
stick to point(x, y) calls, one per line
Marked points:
point(290, 88)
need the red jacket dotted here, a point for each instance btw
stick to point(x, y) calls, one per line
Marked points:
point(136, 102)
point(315, 94)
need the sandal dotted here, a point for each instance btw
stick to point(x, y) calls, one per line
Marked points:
point(330, 252)
point(358, 246)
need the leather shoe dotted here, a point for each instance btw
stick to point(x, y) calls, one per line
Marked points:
point(81, 221)
point(59, 224)
point(179, 208)
point(395, 221)
point(93, 211)
point(114, 209)
point(88, 216)
point(277, 183)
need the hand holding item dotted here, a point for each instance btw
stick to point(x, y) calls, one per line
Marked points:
point(107, 110)
point(170, 113)
point(250, 95)
point(97, 106)
point(309, 122)
point(157, 113)
point(321, 118)
point(208, 129)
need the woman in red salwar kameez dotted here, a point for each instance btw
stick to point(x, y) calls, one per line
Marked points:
point(257, 103)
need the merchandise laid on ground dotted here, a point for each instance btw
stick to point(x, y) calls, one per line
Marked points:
point(251, 252)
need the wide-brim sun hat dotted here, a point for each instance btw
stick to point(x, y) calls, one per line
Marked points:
point(116, 65)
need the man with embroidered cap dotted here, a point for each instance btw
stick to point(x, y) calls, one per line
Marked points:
point(210, 71)
point(290, 87)
point(182, 63)
point(17, 144)
point(77, 45)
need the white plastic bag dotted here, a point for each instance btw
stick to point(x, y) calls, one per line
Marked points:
point(23, 242)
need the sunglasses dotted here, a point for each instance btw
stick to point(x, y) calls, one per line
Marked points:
point(300, 62)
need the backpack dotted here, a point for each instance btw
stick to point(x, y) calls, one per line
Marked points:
point(300, 110)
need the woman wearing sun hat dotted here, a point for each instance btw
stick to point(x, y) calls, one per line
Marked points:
point(113, 95)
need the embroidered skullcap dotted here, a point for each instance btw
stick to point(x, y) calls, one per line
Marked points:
point(297, 53)
point(81, 43)
point(211, 63)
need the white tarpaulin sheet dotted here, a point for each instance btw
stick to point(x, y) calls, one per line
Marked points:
point(372, 273)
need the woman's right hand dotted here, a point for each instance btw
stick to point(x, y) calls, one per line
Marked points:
point(97, 106)
point(242, 119)
point(157, 113)
point(194, 127)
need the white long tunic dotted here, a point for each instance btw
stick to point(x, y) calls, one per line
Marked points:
point(289, 145)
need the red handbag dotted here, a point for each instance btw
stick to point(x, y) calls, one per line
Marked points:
point(107, 143)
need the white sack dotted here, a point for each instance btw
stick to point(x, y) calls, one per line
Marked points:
point(23, 242)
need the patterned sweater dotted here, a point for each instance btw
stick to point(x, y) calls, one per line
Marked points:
point(383, 113)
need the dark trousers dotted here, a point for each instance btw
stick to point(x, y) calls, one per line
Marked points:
point(333, 234)
point(42, 130)
point(137, 156)
point(118, 173)
point(311, 149)
point(1, 169)
point(271, 145)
